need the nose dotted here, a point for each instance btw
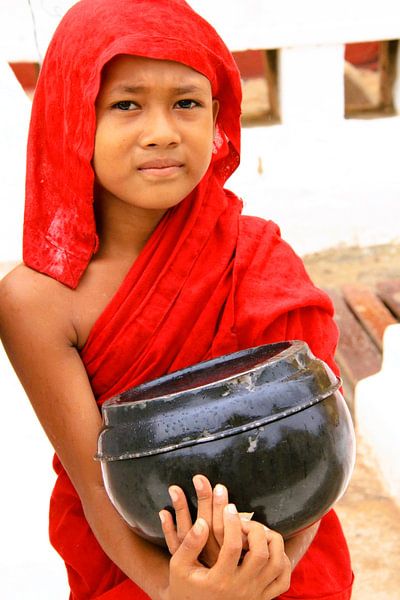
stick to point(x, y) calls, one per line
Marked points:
point(160, 129)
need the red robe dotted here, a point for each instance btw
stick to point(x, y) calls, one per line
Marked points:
point(209, 281)
point(229, 284)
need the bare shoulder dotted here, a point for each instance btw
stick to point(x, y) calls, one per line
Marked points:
point(32, 301)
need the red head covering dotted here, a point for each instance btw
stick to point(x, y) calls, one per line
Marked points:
point(59, 230)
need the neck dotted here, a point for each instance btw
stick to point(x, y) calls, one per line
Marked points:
point(123, 229)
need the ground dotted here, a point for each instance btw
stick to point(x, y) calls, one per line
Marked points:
point(370, 517)
point(371, 522)
point(331, 268)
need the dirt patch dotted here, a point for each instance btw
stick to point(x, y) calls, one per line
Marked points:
point(368, 265)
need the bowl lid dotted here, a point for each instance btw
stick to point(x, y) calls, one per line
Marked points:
point(213, 399)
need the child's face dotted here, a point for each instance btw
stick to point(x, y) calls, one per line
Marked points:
point(155, 128)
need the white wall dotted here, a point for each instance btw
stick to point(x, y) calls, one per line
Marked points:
point(377, 403)
point(242, 23)
point(14, 120)
point(29, 567)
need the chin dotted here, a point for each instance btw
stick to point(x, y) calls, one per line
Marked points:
point(165, 204)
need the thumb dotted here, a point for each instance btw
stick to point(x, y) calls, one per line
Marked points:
point(192, 544)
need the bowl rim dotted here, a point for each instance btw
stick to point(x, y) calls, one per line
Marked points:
point(292, 348)
point(256, 424)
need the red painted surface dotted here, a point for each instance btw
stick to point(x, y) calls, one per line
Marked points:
point(26, 73)
point(251, 63)
point(365, 54)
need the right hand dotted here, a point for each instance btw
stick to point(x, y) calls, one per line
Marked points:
point(263, 574)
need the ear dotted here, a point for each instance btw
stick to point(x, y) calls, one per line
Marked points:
point(215, 109)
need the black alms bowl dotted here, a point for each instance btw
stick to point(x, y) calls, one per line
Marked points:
point(268, 422)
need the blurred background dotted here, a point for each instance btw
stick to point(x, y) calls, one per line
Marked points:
point(320, 148)
point(320, 113)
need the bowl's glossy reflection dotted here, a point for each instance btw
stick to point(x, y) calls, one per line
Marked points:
point(268, 422)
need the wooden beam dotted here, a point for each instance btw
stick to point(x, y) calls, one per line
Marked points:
point(357, 356)
point(372, 314)
point(389, 292)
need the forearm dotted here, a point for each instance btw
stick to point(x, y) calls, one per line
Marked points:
point(144, 563)
point(297, 546)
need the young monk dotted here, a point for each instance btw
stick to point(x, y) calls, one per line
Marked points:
point(137, 262)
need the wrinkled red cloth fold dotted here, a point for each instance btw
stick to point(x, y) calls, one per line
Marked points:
point(208, 282)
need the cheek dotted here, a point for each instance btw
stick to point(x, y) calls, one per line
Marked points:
point(203, 142)
point(100, 147)
point(109, 138)
point(104, 157)
point(208, 148)
point(108, 155)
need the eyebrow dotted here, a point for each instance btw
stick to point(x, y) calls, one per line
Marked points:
point(138, 89)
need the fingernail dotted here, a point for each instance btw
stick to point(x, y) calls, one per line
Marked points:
point(198, 527)
point(231, 508)
point(173, 493)
point(219, 490)
point(162, 517)
point(198, 483)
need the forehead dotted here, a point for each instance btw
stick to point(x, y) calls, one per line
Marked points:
point(136, 71)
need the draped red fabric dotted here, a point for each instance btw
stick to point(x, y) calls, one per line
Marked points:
point(209, 280)
point(240, 285)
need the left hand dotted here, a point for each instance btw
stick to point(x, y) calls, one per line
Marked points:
point(210, 507)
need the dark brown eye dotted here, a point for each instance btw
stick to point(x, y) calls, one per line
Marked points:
point(187, 103)
point(125, 105)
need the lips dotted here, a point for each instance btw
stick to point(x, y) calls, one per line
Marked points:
point(159, 168)
point(160, 163)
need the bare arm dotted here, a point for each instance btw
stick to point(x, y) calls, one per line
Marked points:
point(39, 339)
point(297, 546)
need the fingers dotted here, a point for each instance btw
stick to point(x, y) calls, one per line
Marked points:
point(175, 534)
point(220, 500)
point(182, 514)
point(279, 564)
point(277, 556)
point(258, 539)
point(231, 548)
point(281, 584)
point(211, 506)
point(266, 557)
point(204, 498)
point(169, 531)
point(205, 509)
point(191, 546)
